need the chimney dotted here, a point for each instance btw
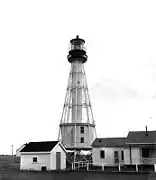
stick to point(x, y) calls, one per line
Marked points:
point(146, 131)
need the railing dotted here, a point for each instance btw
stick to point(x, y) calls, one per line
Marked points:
point(148, 161)
point(81, 164)
point(88, 164)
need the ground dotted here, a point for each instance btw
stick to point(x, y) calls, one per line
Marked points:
point(9, 162)
point(9, 170)
point(17, 175)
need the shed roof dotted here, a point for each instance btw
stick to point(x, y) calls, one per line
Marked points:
point(44, 146)
point(141, 137)
point(109, 142)
point(21, 147)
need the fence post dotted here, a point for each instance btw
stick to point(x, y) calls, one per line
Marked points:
point(102, 167)
point(119, 167)
point(72, 165)
point(154, 167)
point(136, 167)
point(78, 165)
point(87, 166)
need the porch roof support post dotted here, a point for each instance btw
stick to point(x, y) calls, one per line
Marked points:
point(154, 167)
point(119, 167)
point(130, 154)
point(87, 166)
point(136, 167)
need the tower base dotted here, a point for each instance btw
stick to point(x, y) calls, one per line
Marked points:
point(78, 157)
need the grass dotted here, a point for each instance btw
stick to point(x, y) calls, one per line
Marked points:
point(9, 170)
point(9, 162)
point(18, 175)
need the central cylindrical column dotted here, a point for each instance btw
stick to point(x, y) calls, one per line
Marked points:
point(77, 83)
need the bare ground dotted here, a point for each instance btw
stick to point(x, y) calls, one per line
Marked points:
point(9, 170)
point(18, 175)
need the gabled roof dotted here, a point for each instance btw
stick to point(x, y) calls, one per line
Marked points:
point(21, 147)
point(109, 142)
point(45, 146)
point(141, 137)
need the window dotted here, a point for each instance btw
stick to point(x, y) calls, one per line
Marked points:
point(145, 152)
point(82, 130)
point(116, 156)
point(34, 159)
point(82, 140)
point(102, 154)
point(122, 155)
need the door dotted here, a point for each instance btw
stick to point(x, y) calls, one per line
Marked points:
point(116, 156)
point(58, 160)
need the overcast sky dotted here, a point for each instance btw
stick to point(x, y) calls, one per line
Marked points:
point(121, 68)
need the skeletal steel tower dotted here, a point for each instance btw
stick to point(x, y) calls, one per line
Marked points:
point(77, 126)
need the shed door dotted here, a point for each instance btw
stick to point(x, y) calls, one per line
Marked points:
point(58, 160)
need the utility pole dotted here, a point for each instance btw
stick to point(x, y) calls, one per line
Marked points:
point(12, 150)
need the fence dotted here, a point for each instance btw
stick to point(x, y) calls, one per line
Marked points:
point(148, 161)
point(88, 165)
point(81, 164)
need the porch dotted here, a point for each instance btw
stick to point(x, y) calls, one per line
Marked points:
point(148, 154)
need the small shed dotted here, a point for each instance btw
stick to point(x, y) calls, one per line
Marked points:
point(108, 151)
point(42, 156)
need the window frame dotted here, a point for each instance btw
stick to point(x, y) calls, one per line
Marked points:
point(144, 151)
point(82, 140)
point(122, 155)
point(102, 154)
point(82, 129)
point(35, 161)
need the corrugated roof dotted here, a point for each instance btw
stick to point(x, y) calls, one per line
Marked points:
point(44, 146)
point(139, 137)
point(109, 142)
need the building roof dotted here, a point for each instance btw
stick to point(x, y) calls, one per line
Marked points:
point(109, 142)
point(45, 146)
point(141, 137)
point(21, 147)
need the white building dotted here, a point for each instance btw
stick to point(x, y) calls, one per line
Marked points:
point(108, 151)
point(139, 148)
point(41, 156)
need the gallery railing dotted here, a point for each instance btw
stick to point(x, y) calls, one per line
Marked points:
point(148, 160)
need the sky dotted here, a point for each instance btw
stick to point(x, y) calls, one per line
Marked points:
point(121, 68)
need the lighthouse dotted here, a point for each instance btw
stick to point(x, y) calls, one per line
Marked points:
point(77, 125)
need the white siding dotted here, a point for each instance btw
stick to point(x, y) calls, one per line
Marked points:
point(43, 159)
point(135, 155)
point(70, 136)
point(109, 156)
point(28, 164)
point(126, 156)
point(58, 148)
